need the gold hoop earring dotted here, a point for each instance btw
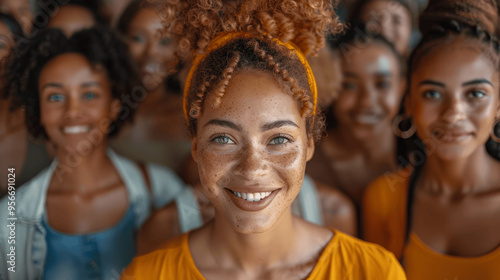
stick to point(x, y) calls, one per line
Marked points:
point(397, 130)
point(495, 132)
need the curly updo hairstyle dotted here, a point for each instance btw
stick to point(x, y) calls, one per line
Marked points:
point(195, 23)
point(99, 45)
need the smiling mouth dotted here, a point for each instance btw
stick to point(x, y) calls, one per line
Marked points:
point(252, 201)
point(367, 119)
point(153, 67)
point(76, 129)
point(251, 196)
point(451, 136)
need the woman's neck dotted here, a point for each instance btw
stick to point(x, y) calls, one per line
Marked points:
point(82, 172)
point(458, 177)
point(253, 252)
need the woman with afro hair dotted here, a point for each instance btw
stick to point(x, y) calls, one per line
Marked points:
point(78, 218)
point(250, 104)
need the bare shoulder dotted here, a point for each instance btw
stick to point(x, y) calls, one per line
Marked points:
point(338, 210)
point(162, 225)
point(333, 197)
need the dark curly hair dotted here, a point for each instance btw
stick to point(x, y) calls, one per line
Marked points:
point(18, 36)
point(195, 23)
point(99, 45)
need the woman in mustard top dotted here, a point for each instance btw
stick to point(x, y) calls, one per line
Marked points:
point(440, 215)
point(250, 103)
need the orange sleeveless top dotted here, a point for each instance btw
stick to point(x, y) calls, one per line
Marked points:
point(344, 258)
point(384, 210)
point(421, 262)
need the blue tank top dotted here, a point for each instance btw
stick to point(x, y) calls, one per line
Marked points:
point(102, 255)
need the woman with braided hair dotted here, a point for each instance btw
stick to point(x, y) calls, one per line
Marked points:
point(440, 215)
point(250, 103)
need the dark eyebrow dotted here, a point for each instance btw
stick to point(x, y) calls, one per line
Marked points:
point(57, 85)
point(90, 84)
point(277, 124)
point(477, 81)
point(224, 124)
point(431, 82)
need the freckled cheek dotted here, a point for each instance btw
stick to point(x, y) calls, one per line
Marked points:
point(212, 168)
point(291, 165)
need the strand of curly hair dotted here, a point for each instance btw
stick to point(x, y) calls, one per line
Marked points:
point(196, 22)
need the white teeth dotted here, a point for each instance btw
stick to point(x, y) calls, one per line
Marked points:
point(76, 129)
point(367, 119)
point(252, 196)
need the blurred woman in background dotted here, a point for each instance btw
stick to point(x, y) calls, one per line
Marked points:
point(78, 219)
point(17, 150)
point(440, 214)
point(360, 145)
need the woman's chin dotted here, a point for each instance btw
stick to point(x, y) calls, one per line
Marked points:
point(252, 225)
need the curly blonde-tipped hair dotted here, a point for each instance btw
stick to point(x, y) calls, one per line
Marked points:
point(195, 23)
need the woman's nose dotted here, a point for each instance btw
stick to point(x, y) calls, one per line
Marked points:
point(251, 163)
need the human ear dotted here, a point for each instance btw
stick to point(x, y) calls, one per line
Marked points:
point(310, 148)
point(194, 148)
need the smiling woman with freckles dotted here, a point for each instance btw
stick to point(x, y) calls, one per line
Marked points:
point(78, 219)
point(440, 215)
point(250, 103)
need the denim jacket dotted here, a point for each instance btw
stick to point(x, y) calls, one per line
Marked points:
point(30, 245)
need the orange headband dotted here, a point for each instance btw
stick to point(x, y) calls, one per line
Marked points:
point(222, 40)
